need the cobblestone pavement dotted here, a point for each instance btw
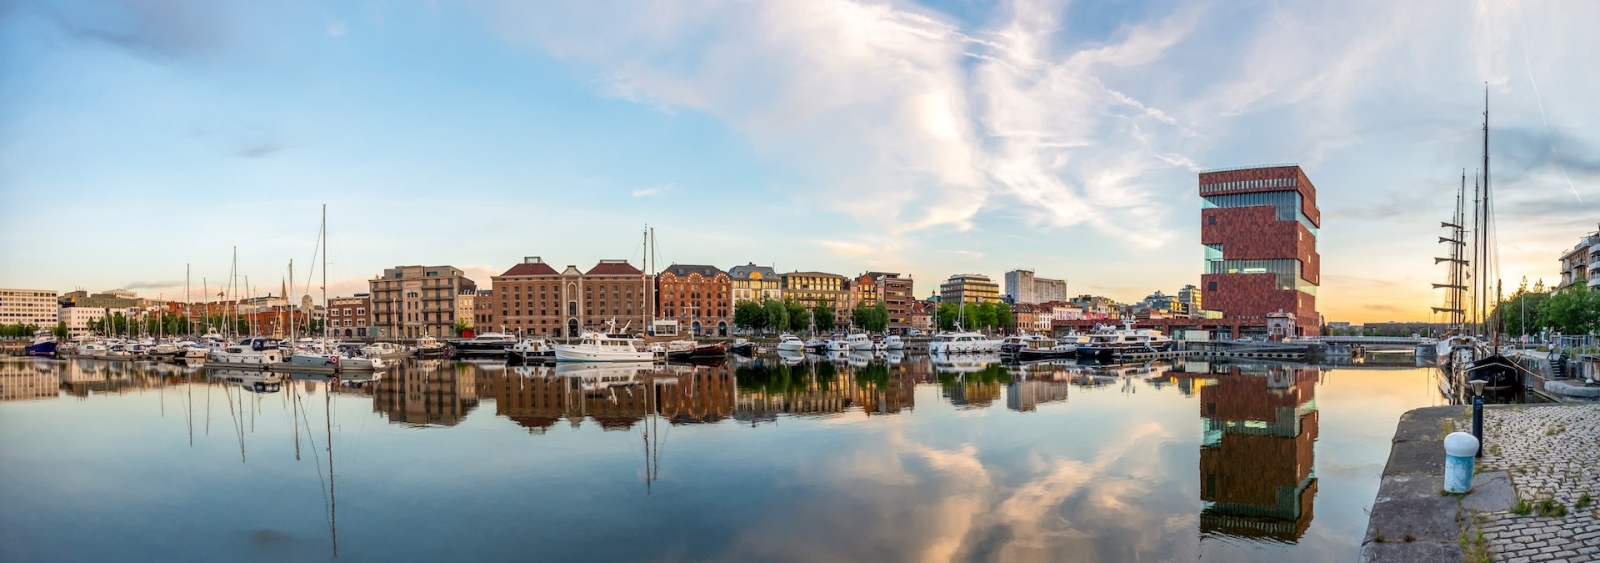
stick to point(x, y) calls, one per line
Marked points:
point(1552, 453)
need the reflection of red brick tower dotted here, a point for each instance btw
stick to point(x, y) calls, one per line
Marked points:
point(704, 395)
point(1256, 462)
point(1260, 227)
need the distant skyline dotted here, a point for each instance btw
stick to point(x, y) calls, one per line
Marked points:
point(930, 138)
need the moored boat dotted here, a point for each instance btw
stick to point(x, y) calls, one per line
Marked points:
point(600, 347)
point(486, 344)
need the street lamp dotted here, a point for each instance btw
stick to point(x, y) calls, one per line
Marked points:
point(1477, 411)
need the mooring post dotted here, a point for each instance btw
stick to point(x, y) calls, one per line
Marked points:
point(1477, 412)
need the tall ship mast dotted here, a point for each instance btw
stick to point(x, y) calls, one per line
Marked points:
point(1455, 286)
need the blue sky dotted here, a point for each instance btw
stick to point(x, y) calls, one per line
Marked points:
point(138, 137)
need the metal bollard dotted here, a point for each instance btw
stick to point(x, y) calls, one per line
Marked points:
point(1459, 450)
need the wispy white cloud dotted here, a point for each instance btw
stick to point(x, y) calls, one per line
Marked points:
point(336, 28)
point(653, 190)
point(898, 115)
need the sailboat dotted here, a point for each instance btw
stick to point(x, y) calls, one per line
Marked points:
point(324, 354)
point(1481, 359)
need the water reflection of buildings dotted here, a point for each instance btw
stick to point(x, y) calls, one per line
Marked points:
point(426, 393)
point(29, 380)
point(819, 387)
point(1256, 462)
point(615, 396)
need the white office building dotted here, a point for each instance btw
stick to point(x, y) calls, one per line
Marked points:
point(1025, 288)
point(29, 307)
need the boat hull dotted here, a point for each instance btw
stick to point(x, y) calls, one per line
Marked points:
point(41, 349)
point(574, 354)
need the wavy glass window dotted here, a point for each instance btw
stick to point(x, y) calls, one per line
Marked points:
point(1287, 204)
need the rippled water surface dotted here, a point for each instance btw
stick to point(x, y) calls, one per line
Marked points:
point(771, 460)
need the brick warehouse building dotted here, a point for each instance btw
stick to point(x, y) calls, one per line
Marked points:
point(1259, 227)
point(698, 297)
point(533, 298)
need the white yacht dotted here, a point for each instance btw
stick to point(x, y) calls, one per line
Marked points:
point(790, 343)
point(599, 347)
point(243, 354)
point(859, 342)
point(383, 350)
point(837, 345)
point(1109, 341)
point(326, 355)
point(963, 343)
point(893, 342)
point(1016, 343)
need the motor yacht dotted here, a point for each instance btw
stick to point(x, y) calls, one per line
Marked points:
point(241, 354)
point(790, 343)
point(1016, 343)
point(859, 342)
point(486, 344)
point(531, 350)
point(430, 347)
point(963, 343)
point(893, 342)
point(1046, 349)
point(600, 347)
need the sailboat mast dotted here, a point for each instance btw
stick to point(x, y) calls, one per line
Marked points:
point(188, 313)
point(325, 295)
point(1486, 204)
point(290, 307)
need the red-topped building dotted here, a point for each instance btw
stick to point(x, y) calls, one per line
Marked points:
point(1259, 226)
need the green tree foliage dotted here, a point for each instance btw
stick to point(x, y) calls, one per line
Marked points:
point(799, 317)
point(749, 315)
point(60, 331)
point(774, 314)
point(1521, 314)
point(947, 316)
point(18, 330)
point(462, 326)
point(822, 317)
point(870, 316)
point(1573, 311)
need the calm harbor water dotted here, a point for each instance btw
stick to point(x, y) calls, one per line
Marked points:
point(776, 460)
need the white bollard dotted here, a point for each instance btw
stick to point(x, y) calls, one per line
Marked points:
point(1459, 450)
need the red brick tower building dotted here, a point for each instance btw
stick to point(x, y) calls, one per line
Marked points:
point(1259, 227)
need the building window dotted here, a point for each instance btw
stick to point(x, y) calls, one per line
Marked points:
point(1212, 286)
point(1211, 219)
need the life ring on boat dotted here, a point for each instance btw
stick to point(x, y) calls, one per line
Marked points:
point(334, 360)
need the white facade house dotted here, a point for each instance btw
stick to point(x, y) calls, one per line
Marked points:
point(29, 307)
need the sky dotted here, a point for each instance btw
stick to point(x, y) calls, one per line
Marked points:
point(143, 141)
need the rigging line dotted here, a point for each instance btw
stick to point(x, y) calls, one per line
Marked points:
point(1523, 43)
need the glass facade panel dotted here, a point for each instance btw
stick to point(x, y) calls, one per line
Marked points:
point(1286, 203)
point(1287, 271)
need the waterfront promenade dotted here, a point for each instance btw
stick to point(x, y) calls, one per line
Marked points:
point(1533, 498)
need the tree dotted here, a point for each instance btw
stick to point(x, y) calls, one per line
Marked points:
point(947, 316)
point(774, 314)
point(60, 330)
point(799, 317)
point(880, 318)
point(1520, 314)
point(1573, 311)
point(822, 317)
point(462, 326)
point(749, 315)
point(861, 316)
